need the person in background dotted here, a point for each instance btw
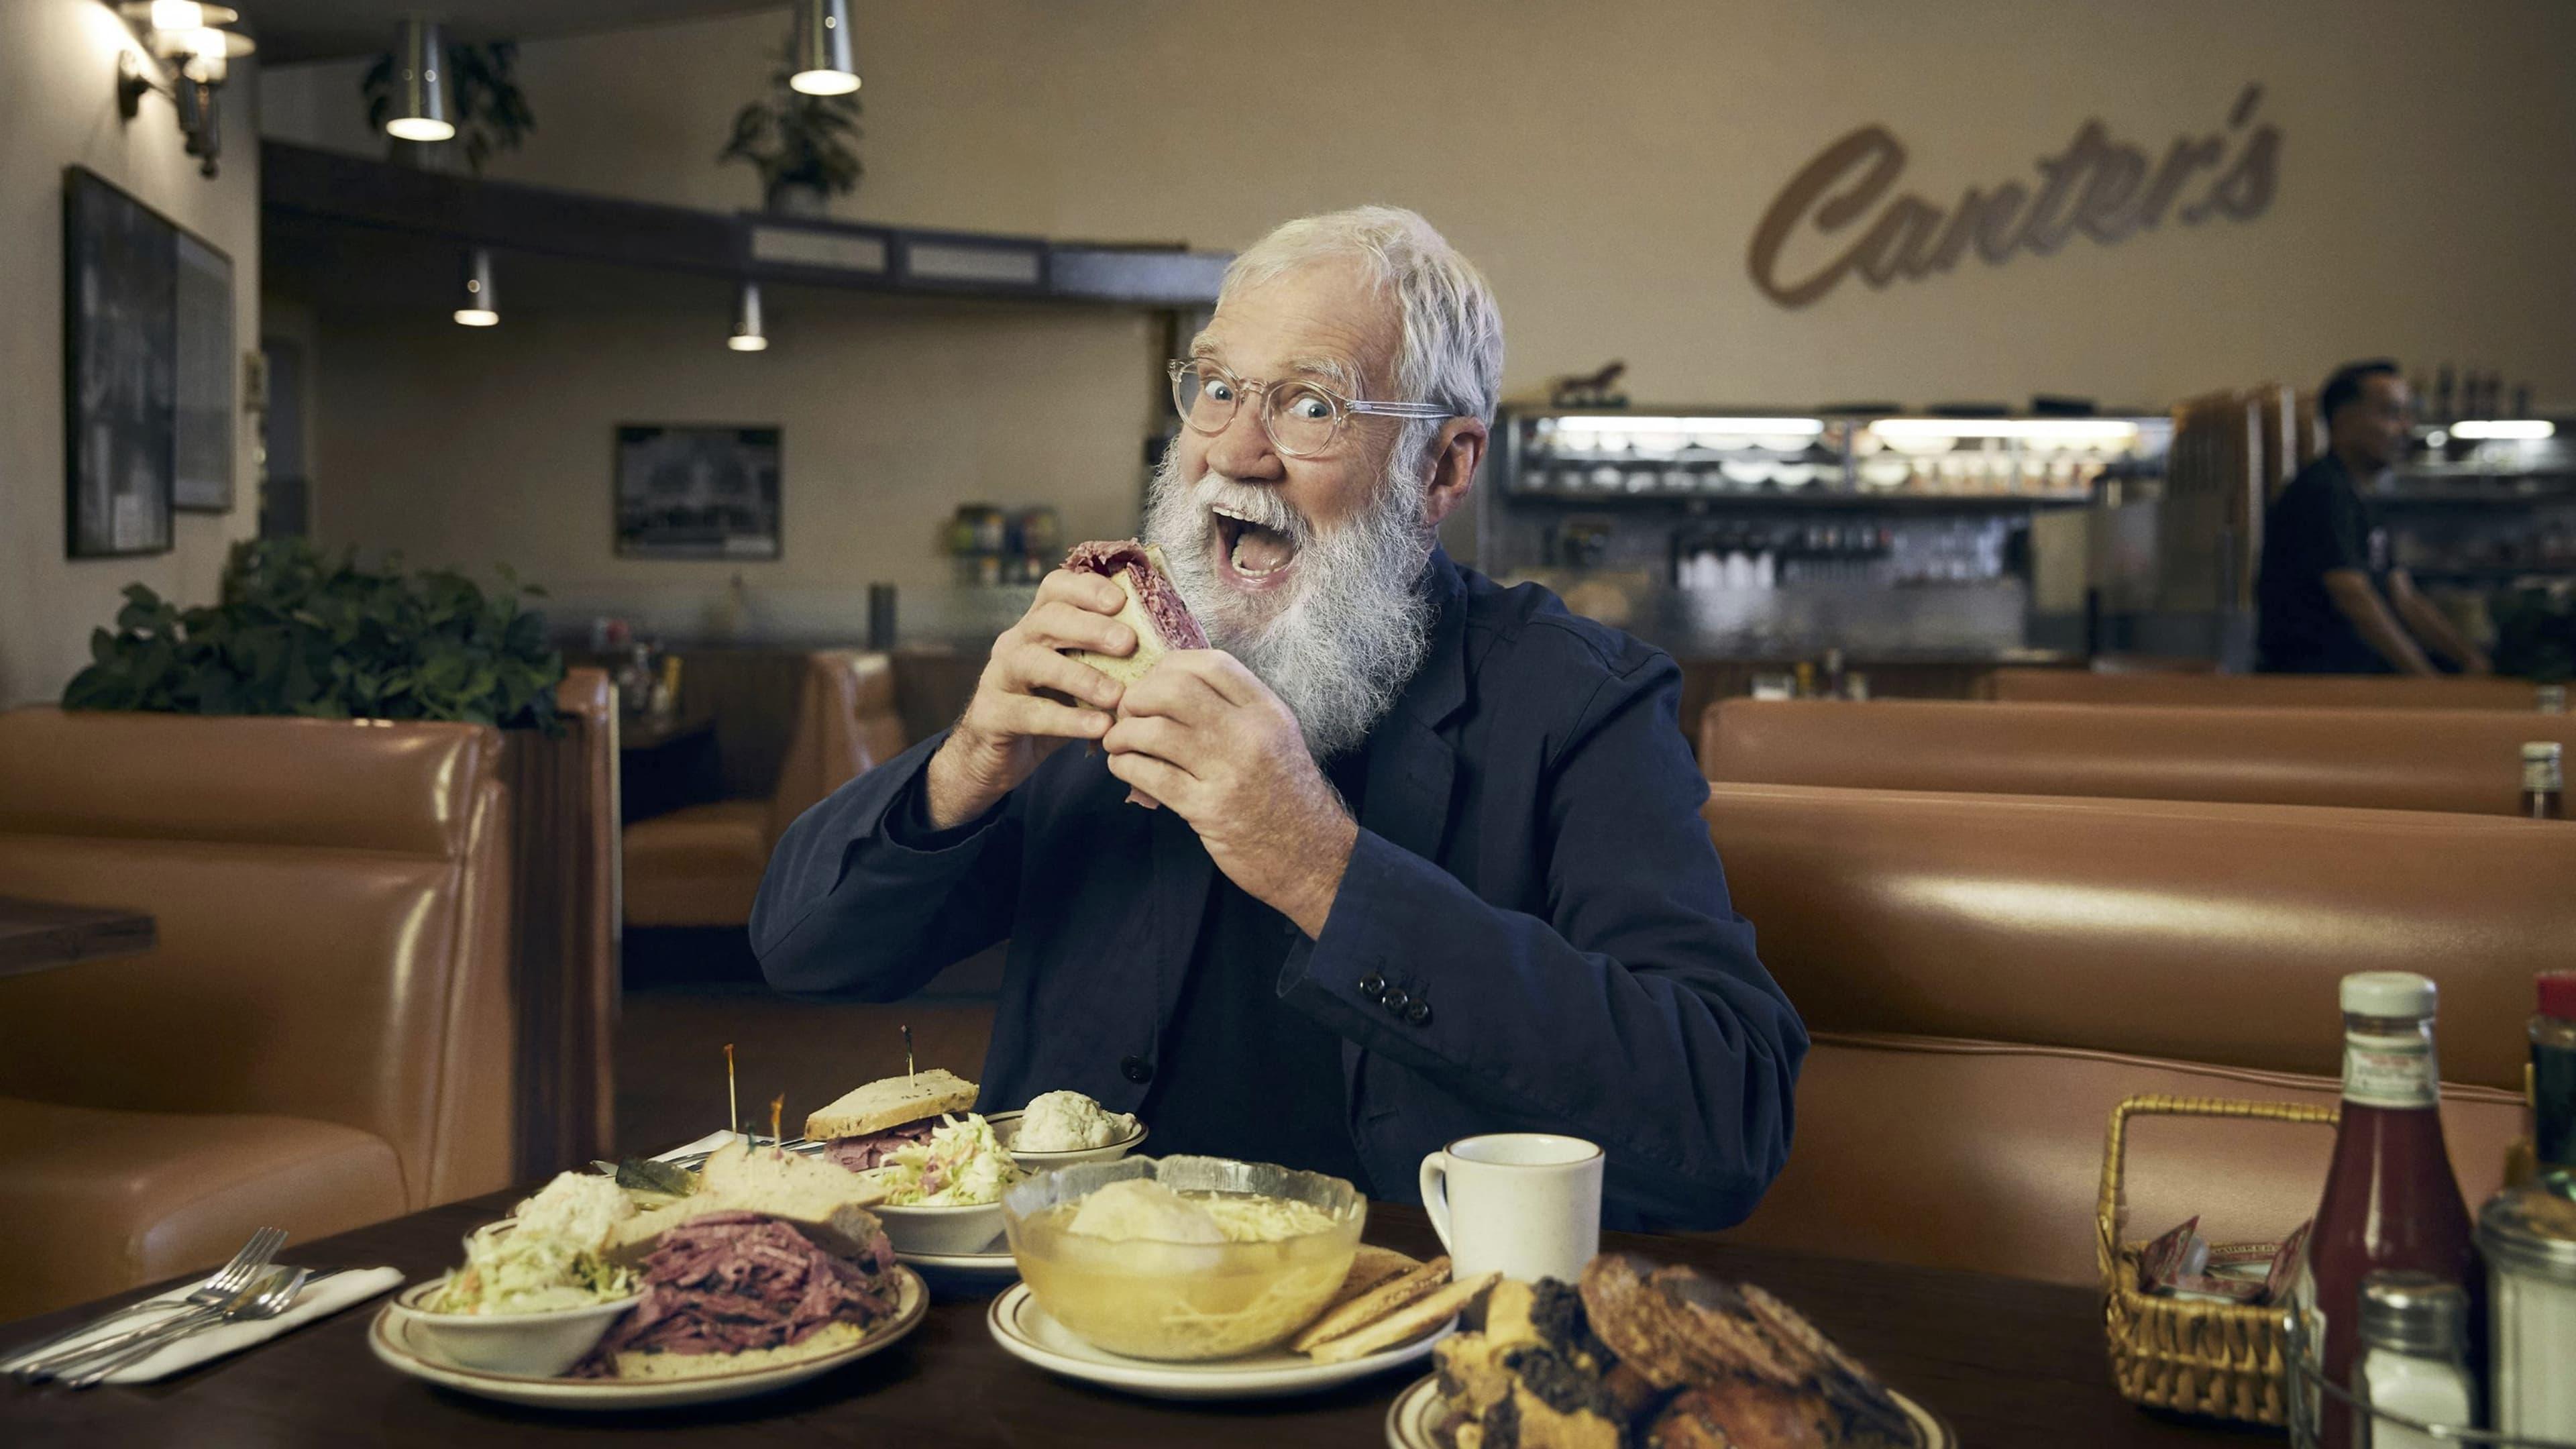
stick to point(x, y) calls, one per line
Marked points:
point(2328, 599)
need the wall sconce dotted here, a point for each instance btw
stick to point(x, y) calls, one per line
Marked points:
point(201, 52)
point(481, 307)
point(821, 49)
point(747, 333)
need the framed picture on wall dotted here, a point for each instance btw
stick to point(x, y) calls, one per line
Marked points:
point(690, 491)
point(120, 370)
point(201, 478)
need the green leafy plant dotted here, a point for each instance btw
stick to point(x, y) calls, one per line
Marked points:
point(794, 139)
point(2535, 634)
point(490, 111)
point(294, 633)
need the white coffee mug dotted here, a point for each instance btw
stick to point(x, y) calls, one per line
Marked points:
point(1525, 1203)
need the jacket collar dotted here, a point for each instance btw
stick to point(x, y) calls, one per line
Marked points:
point(1410, 767)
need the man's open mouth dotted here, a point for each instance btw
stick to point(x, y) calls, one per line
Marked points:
point(1254, 553)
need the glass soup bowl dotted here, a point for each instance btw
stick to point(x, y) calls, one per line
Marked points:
point(1181, 1301)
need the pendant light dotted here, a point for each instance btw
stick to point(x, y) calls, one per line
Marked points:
point(482, 308)
point(821, 49)
point(420, 110)
point(747, 334)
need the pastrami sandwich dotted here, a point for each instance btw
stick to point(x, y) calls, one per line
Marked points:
point(865, 1127)
point(774, 1258)
point(1154, 608)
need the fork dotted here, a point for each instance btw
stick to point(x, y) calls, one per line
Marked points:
point(272, 1296)
point(218, 1288)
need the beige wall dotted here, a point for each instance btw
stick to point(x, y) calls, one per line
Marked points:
point(475, 446)
point(1607, 165)
point(58, 108)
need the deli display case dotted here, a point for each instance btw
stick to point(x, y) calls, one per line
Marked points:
point(1767, 534)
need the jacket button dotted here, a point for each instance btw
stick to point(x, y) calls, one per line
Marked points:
point(1419, 1013)
point(1396, 1001)
point(1136, 1069)
point(1372, 985)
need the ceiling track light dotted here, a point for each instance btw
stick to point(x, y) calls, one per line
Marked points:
point(482, 307)
point(747, 333)
point(420, 110)
point(200, 52)
point(819, 52)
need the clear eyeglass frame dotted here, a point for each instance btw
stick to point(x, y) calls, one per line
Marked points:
point(1290, 431)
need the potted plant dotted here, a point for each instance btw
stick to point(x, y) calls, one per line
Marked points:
point(293, 633)
point(800, 144)
point(490, 110)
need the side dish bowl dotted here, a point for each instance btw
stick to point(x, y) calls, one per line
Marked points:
point(1175, 1301)
point(537, 1345)
point(941, 1230)
point(1006, 1130)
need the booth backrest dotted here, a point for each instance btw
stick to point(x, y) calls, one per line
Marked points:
point(2198, 932)
point(1987, 976)
point(2467, 761)
point(333, 917)
point(2276, 691)
point(846, 723)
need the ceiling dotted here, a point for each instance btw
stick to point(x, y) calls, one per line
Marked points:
point(297, 30)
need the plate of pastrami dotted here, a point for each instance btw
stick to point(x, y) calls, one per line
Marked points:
point(760, 1270)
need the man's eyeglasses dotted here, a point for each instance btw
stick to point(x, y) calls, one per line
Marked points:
point(1302, 418)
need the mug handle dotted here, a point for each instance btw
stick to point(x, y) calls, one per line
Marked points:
point(1435, 1196)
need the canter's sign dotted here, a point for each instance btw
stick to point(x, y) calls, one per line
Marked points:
point(1843, 216)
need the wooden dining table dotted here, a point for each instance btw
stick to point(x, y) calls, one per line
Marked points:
point(2009, 1364)
point(43, 935)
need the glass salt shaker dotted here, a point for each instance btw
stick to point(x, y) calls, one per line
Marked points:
point(2414, 1346)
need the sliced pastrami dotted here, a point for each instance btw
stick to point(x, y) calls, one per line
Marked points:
point(1163, 603)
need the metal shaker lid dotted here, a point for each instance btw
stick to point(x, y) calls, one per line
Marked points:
point(2414, 1313)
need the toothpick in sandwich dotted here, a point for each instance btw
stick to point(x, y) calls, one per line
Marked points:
point(733, 1108)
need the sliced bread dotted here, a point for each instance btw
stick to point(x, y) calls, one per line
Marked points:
point(891, 1103)
point(826, 1203)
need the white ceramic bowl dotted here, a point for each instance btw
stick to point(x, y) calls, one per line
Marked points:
point(537, 1345)
point(941, 1230)
point(1006, 1128)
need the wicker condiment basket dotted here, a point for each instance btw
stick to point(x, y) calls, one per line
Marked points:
point(2226, 1360)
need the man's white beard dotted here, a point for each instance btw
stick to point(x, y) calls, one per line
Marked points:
point(1341, 641)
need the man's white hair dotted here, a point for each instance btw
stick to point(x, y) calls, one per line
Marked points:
point(1451, 350)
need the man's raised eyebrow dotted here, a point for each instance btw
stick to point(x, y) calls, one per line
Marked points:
point(1331, 369)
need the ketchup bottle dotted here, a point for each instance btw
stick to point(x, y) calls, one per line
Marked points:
point(2390, 1199)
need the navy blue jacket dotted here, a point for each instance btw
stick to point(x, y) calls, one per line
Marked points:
point(1531, 863)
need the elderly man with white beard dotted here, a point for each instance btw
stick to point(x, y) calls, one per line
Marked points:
point(1405, 857)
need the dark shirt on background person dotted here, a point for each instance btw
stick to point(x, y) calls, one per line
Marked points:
point(2319, 523)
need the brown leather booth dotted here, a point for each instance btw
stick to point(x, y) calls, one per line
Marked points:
point(2391, 759)
point(2274, 691)
point(701, 865)
point(1987, 976)
point(322, 1037)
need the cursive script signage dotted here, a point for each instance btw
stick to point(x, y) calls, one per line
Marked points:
point(2097, 187)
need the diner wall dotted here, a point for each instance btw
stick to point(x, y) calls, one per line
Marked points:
point(57, 109)
point(1606, 164)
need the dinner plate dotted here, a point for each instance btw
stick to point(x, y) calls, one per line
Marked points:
point(1409, 1420)
point(395, 1342)
point(1025, 1332)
